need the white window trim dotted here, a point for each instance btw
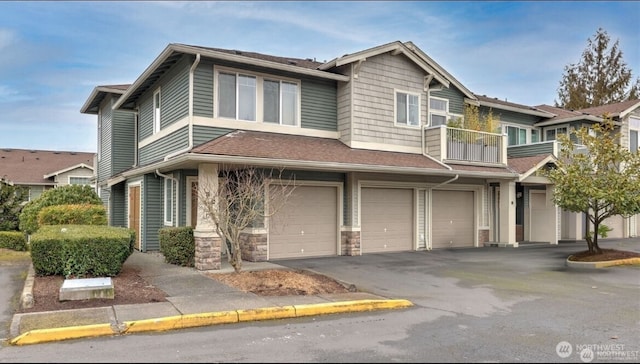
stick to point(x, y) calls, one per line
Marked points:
point(157, 116)
point(565, 126)
point(445, 113)
point(395, 109)
point(88, 178)
point(259, 107)
point(168, 203)
point(635, 128)
point(527, 129)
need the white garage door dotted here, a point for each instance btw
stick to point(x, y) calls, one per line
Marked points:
point(452, 215)
point(617, 224)
point(307, 225)
point(387, 219)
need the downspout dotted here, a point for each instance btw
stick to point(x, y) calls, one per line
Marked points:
point(175, 180)
point(190, 141)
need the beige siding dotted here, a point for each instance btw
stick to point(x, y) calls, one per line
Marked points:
point(63, 178)
point(374, 98)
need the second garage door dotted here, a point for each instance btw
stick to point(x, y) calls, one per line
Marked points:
point(452, 219)
point(307, 225)
point(387, 219)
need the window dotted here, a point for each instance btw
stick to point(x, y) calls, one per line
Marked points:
point(438, 109)
point(168, 200)
point(535, 136)
point(156, 111)
point(237, 96)
point(258, 98)
point(79, 180)
point(634, 130)
point(407, 109)
point(552, 134)
point(280, 102)
point(516, 136)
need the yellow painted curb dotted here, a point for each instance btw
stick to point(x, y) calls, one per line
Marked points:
point(205, 319)
point(349, 306)
point(267, 313)
point(62, 333)
point(603, 264)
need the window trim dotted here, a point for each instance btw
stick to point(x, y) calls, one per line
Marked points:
point(438, 112)
point(634, 128)
point(527, 133)
point(169, 192)
point(555, 132)
point(396, 92)
point(157, 111)
point(259, 96)
point(87, 178)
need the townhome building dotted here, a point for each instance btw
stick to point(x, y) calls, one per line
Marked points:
point(367, 137)
point(40, 170)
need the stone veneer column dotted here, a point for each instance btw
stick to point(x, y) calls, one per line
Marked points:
point(208, 243)
point(350, 241)
point(253, 243)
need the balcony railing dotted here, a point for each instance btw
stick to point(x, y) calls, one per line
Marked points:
point(453, 144)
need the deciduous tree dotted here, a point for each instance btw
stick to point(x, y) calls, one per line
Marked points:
point(601, 180)
point(12, 198)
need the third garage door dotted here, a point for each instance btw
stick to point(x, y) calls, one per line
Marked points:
point(452, 214)
point(387, 219)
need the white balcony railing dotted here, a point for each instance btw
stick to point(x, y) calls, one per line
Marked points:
point(453, 144)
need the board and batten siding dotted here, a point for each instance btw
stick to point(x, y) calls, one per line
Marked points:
point(374, 100)
point(157, 150)
point(103, 169)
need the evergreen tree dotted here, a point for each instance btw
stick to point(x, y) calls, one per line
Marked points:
point(600, 78)
point(11, 199)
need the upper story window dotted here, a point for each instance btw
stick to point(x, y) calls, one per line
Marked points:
point(516, 135)
point(535, 135)
point(553, 133)
point(634, 130)
point(79, 180)
point(407, 109)
point(156, 111)
point(438, 111)
point(254, 97)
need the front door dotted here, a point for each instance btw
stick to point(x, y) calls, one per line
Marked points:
point(134, 213)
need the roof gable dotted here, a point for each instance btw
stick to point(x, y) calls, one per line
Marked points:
point(29, 167)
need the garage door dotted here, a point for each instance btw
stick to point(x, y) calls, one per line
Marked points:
point(387, 220)
point(452, 215)
point(307, 225)
point(617, 224)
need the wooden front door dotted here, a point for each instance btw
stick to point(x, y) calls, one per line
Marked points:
point(134, 213)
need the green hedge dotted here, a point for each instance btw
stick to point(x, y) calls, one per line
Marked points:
point(76, 214)
point(178, 245)
point(65, 195)
point(81, 250)
point(14, 240)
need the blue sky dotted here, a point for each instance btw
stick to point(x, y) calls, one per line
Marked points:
point(53, 53)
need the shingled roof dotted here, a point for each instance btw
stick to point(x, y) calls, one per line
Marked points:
point(24, 166)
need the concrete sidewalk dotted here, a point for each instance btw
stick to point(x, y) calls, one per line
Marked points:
point(192, 300)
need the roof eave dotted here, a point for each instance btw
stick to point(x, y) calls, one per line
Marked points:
point(516, 109)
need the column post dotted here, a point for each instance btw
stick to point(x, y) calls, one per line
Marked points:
point(208, 254)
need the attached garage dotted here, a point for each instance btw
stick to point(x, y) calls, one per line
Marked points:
point(387, 219)
point(617, 224)
point(307, 225)
point(452, 217)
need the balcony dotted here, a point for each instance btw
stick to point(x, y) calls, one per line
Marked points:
point(449, 144)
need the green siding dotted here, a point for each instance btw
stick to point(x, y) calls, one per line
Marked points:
point(145, 119)
point(511, 117)
point(117, 214)
point(152, 212)
point(528, 150)
point(159, 149)
point(105, 132)
point(203, 134)
point(455, 97)
point(123, 141)
point(203, 90)
point(319, 107)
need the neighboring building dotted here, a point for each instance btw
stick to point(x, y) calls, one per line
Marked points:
point(40, 170)
point(365, 136)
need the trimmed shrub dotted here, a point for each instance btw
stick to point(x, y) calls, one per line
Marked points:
point(80, 250)
point(13, 240)
point(84, 214)
point(178, 245)
point(65, 195)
